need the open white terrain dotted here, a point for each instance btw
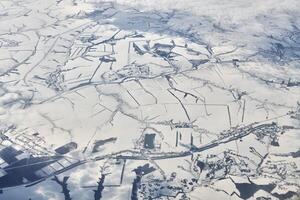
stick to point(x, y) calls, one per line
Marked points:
point(149, 99)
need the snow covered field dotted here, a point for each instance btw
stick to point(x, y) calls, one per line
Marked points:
point(168, 99)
